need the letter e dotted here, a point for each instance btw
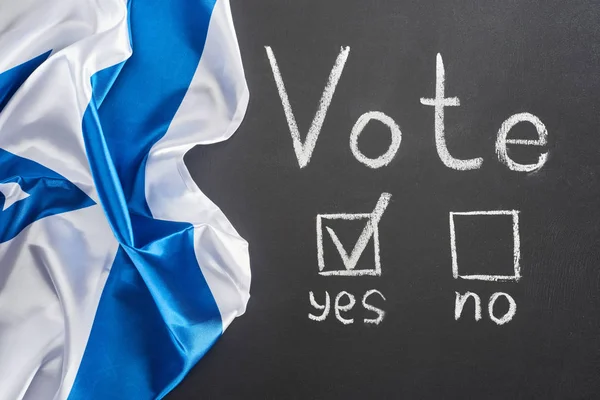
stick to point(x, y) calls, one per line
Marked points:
point(501, 142)
point(344, 308)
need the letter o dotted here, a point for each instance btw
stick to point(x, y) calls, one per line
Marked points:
point(388, 156)
point(512, 308)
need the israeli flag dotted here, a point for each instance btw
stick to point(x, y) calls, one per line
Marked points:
point(117, 273)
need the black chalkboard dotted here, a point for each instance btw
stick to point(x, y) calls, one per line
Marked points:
point(501, 58)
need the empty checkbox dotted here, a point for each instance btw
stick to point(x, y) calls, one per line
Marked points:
point(485, 245)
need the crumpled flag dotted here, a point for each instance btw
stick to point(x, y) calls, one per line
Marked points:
point(117, 273)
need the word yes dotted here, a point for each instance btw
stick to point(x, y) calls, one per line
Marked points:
point(343, 308)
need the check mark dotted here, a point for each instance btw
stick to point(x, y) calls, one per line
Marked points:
point(350, 260)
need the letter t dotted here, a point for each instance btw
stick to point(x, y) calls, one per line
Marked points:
point(439, 103)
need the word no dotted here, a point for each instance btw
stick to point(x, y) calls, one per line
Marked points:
point(305, 149)
point(461, 300)
point(343, 308)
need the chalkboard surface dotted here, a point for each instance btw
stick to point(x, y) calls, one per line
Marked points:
point(416, 228)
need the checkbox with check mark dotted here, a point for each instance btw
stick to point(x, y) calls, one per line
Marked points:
point(350, 259)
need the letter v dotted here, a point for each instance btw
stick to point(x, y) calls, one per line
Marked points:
point(304, 150)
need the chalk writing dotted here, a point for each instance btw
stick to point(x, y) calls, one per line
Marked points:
point(340, 307)
point(380, 313)
point(371, 229)
point(316, 305)
point(439, 102)
point(512, 308)
point(304, 150)
point(461, 300)
point(343, 308)
point(344, 301)
point(516, 247)
point(388, 156)
point(502, 141)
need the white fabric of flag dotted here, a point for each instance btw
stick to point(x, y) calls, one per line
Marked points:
point(117, 273)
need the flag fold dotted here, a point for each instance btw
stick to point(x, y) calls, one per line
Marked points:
point(117, 274)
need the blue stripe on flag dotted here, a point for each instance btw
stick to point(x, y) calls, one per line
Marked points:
point(13, 78)
point(49, 194)
point(156, 316)
point(167, 39)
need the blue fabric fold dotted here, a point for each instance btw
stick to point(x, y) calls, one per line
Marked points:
point(157, 316)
